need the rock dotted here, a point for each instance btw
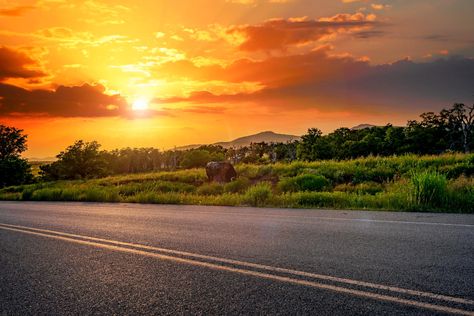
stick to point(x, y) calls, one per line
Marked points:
point(220, 171)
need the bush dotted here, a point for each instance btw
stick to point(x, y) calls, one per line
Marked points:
point(461, 195)
point(82, 160)
point(322, 199)
point(237, 186)
point(14, 170)
point(428, 190)
point(371, 188)
point(210, 189)
point(155, 186)
point(305, 182)
point(259, 194)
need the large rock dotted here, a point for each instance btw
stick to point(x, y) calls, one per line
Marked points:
point(220, 171)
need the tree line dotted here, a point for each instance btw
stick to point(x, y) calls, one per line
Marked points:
point(450, 130)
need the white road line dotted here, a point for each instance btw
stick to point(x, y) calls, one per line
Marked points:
point(331, 218)
point(175, 211)
point(246, 264)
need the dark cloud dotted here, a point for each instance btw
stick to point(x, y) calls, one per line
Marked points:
point(436, 37)
point(369, 34)
point(16, 64)
point(77, 101)
point(319, 79)
point(279, 34)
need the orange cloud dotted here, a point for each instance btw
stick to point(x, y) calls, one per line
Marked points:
point(279, 34)
point(318, 79)
point(16, 64)
point(15, 11)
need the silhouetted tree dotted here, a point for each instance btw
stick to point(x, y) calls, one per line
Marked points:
point(13, 169)
point(79, 161)
point(308, 147)
point(460, 124)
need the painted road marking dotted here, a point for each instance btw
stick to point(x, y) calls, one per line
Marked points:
point(368, 220)
point(259, 266)
point(109, 244)
point(172, 209)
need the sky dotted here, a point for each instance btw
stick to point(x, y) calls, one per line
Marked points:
point(167, 73)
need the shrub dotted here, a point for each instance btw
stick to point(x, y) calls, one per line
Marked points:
point(157, 198)
point(27, 194)
point(237, 186)
point(264, 171)
point(210, 189)
point(258, 194)
point(371, 188)
point(305, 182)
point(247, 170)
point(195, 158)
point(428, 190)
point(46, 194)
point(322, 199)
point(14, 170)
point(461, 195)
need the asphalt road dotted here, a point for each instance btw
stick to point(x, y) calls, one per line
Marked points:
point(91, 258)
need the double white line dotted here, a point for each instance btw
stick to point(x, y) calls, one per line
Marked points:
point(393, 294)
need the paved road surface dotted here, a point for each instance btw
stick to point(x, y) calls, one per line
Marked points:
point(91, 258)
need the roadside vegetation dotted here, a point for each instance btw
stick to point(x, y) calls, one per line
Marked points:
point(424, 166)
point(443, 183)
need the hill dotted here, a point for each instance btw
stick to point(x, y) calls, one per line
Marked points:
point(362, 126)
point(267, 136)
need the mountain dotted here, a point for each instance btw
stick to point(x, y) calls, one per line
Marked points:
point(362, 126)
point(268, 137)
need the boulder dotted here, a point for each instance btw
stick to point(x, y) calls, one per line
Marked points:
point(220, 171)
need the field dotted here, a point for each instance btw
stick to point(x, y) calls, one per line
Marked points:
point(442, 183)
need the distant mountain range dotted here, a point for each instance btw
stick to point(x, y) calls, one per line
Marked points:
point(268, 137)
point(362, 126)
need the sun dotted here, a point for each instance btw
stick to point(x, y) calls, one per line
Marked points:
point(140, 105)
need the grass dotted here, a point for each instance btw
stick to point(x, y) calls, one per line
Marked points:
point(442, 183)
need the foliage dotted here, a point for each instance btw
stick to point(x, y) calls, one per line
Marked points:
point(258, 194)
point(381, 167)
point(304, 182)
point(13, 169)
point(428, 189)
point(350, 191)
point(210, 189)
point(81, 160)
point(199, 158)
point(239, 185)
point(12, 142)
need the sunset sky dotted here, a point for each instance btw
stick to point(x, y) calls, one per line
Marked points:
point(167, 73)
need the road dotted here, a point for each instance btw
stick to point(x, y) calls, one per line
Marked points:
point(93, 258)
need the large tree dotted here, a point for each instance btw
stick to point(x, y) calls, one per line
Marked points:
point(81, 160)
point(13, 169)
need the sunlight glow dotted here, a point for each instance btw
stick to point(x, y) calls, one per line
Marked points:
point(140, 105)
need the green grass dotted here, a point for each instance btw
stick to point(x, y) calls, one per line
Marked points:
point(442, 183)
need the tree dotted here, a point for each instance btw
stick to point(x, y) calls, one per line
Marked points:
point(196, 158)
point(79, 161)
point(12, 142)
point(460, 120)
point(308, 147)
point(13, 169)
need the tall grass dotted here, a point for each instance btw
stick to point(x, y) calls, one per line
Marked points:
point(406, 183)
point(428, 190)
point(258, 195)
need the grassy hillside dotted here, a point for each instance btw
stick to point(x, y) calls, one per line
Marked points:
point(409, 183)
